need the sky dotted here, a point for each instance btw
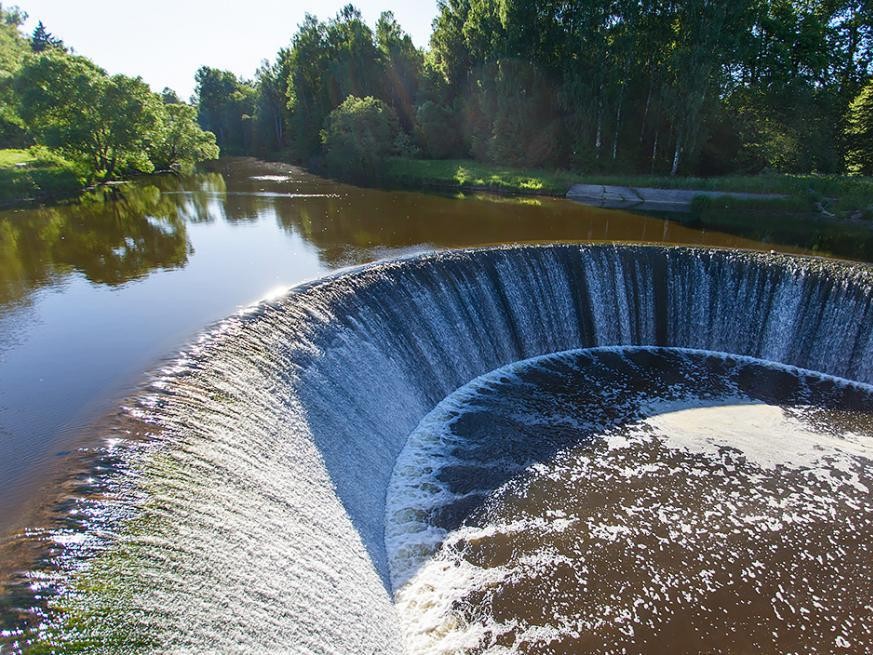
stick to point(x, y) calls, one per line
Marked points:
point(166, 41)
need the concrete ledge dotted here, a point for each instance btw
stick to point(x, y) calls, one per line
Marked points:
point(621, 197)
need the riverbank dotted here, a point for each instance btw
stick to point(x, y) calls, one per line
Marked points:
point(468, 175)
point(36, 175)
point(830, 196)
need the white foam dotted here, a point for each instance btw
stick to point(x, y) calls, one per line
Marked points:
point(433, 579)
point(765, 434)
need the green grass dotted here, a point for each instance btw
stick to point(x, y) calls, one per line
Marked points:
point(466, 174)
point(36, 175)
point(10, 158)
point(837, 193)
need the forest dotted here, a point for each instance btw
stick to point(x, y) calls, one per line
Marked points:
point(666, 87)
point(654, 87)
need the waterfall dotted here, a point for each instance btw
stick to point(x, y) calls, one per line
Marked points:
point(262, 526)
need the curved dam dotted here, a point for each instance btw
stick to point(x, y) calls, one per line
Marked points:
point(258, 521)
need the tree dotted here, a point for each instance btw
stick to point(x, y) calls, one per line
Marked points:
point(181, 143)
point(226, 105)
point(859, 132)
point(13, 49)
point(437, 131)
point(403, 68)
point(42, 39)
point(329, 62)
point(170, 97)
point(654, 86)
point(358, 136)
point(106, 123)
point(271, 107)
point(12, 16)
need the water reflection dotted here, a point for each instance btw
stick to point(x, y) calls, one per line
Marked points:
point(118, 235)
point(111, 237)
point(351, 225)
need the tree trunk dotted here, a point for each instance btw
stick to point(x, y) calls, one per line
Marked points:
point(598, 139)
point(676, 156)
point(646, 110)
point(110, 169)
point(617, 123)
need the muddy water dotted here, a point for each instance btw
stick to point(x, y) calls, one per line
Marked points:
point(637, 500)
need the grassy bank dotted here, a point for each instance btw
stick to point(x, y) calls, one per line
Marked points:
point(36, 175)
point(467, 174)
point(837, 194)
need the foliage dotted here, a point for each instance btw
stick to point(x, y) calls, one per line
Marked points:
point(359, 136)
point(170, 97)
point(226, 105)
point(511, 116)
point(612, 86)
point(107, 123)
point(402, 64)
point(13, 48)
point(271, 106)
point(654, 86)
point(607, 86)
point(180, 142)
point(437, 131)
point(859, 132)
point(329, 62)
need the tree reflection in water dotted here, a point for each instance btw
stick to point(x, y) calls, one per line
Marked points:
point(112, 236)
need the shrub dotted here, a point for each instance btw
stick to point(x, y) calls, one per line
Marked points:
point(358, 137)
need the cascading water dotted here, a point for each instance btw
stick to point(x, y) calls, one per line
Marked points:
point(257, 523)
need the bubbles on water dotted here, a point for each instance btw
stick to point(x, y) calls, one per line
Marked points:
point(637, 501)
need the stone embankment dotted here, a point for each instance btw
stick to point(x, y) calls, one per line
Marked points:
point(677, 200)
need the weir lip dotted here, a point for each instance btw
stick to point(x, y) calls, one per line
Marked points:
point(280, 430)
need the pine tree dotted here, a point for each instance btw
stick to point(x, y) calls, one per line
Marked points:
point(42, 39)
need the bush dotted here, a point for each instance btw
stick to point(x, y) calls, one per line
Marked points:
point(359, 136)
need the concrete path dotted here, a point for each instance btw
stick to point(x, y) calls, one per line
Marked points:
point(679, 200)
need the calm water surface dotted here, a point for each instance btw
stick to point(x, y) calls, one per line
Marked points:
point(92, 296)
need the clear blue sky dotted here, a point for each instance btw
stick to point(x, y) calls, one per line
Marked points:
point(166, 41)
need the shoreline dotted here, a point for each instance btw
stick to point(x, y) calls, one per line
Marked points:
point(783, 195)
point(838, 197)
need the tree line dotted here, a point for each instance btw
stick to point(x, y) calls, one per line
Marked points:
point(109, 125)
point(623, 86)
point(626, 86)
